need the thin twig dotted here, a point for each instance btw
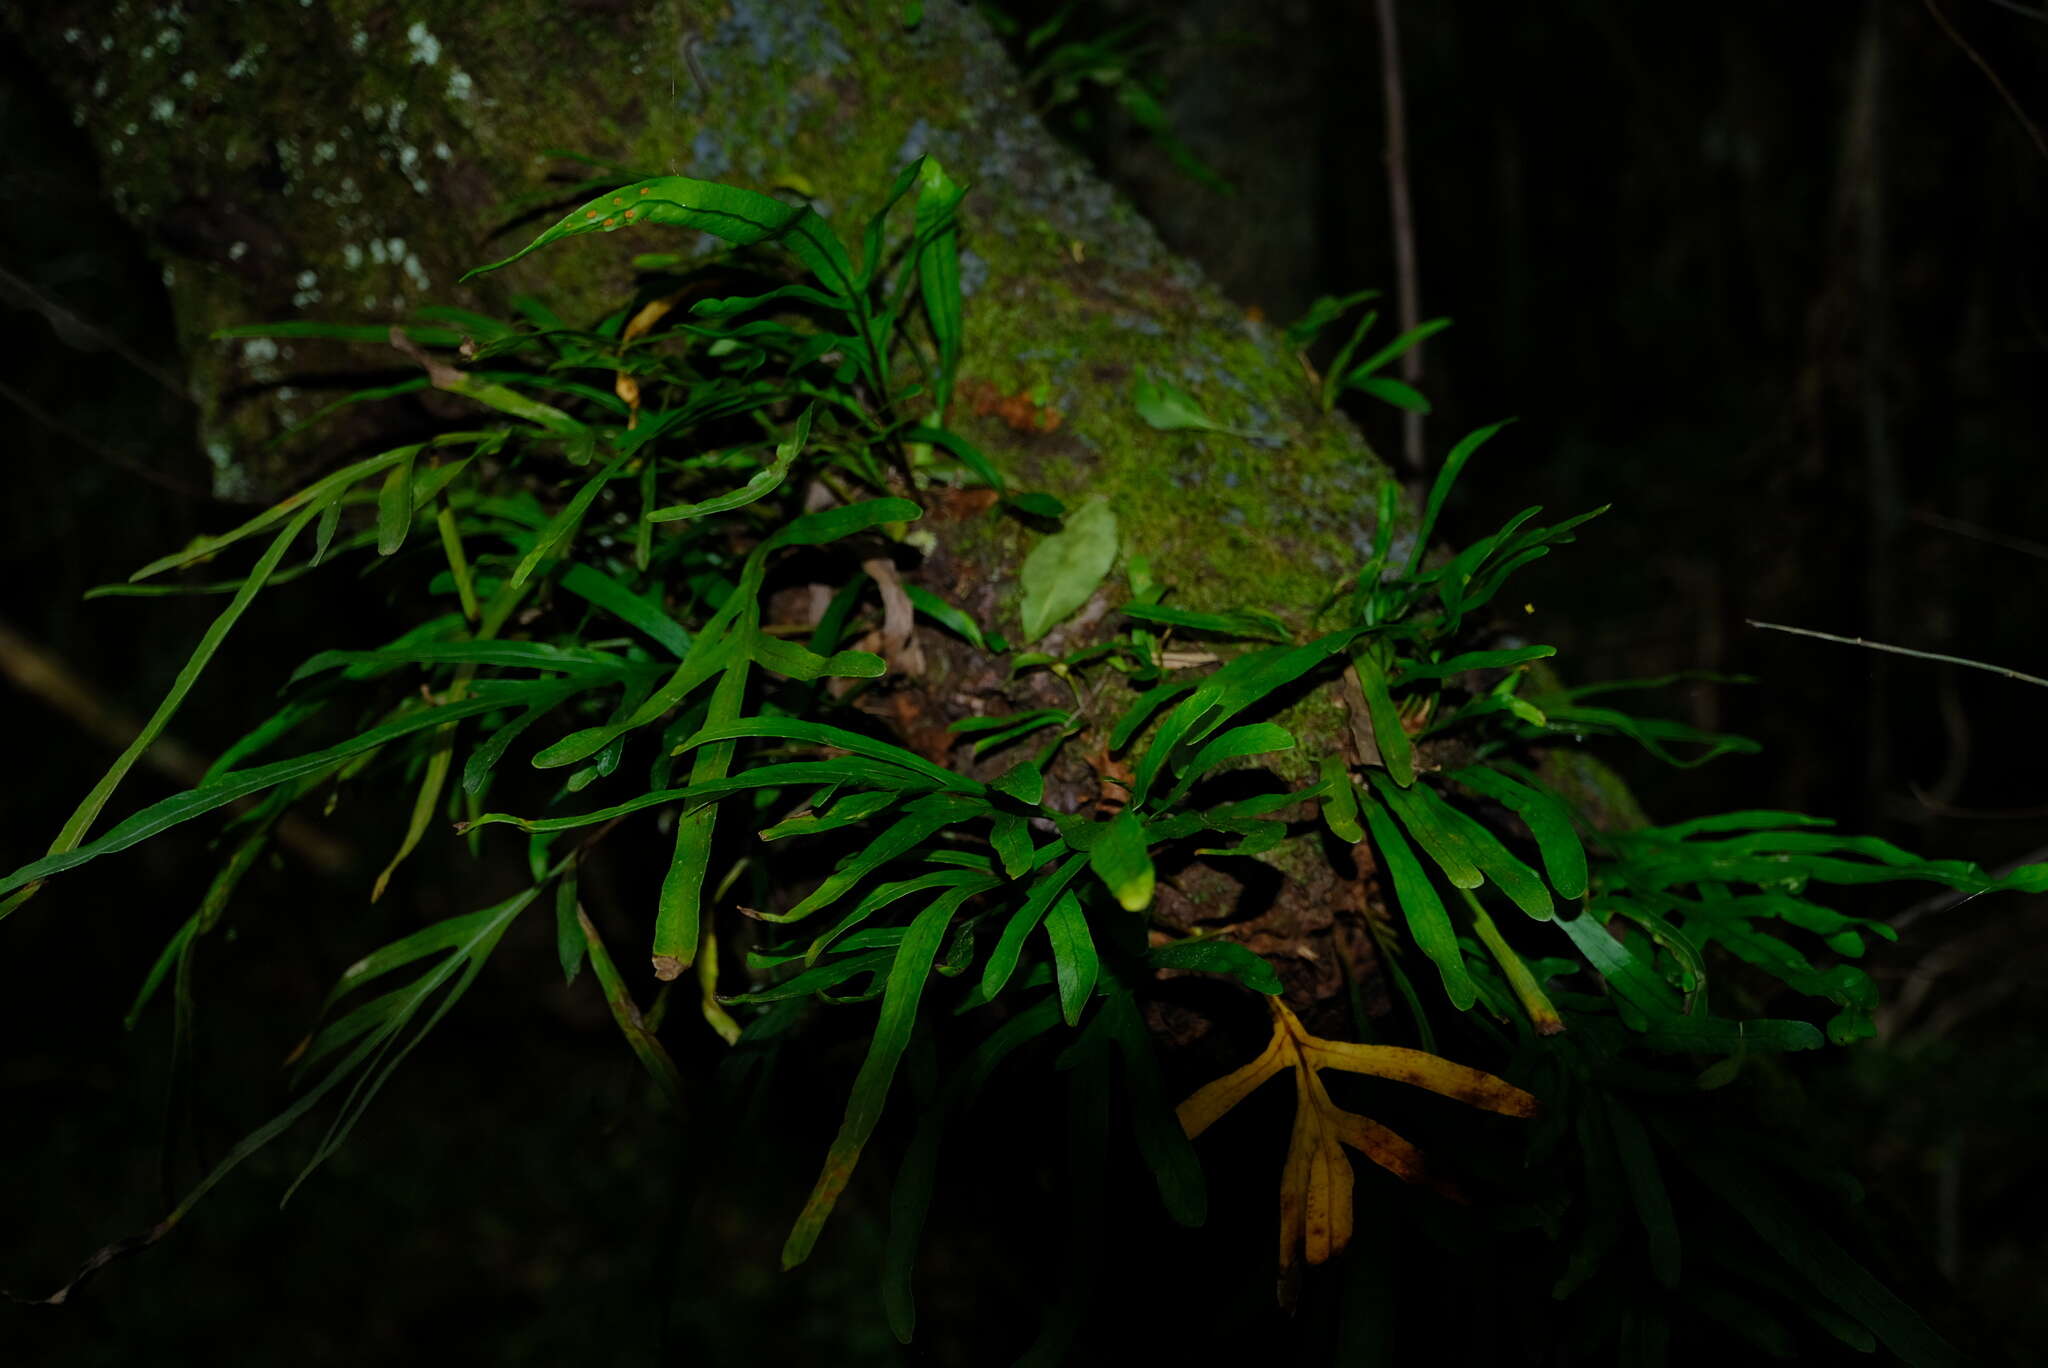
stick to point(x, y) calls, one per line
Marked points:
point(65, 319)
point(1943, 523)
point(92, 448)
point(2033, 129)
point(37, 671)
point(1403, 210)
point(1964, 814)
point(689, 51)
point(1902, 650)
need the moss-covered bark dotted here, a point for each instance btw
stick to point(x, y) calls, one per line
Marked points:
point(350, 159)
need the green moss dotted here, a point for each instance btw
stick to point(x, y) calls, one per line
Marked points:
point(1269, 522)
point(309, 136)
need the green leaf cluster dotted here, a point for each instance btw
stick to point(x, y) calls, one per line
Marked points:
point(596, 649)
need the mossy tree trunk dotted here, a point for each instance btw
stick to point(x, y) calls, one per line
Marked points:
point(349, 160)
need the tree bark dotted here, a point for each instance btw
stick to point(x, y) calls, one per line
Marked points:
point(343, 162)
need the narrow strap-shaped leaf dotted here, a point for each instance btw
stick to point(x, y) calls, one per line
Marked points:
point(1244, 623)
point(488, 752)
point(1173, 729)
point(711, 651)
point(1243, 682)
point(1385, 387)
point(482, 935)
point(1442, 844)
point(570, 946)
point(1564, 858)
point(314, 496)
point(451, 549)
point(905, 835)
point(1252, 970)
point(517, 655)
point(1473, 660)
point(394, 506)
point(1340, 802)
point(821, 734)
point(1717, 1035)
point(678, 918)
point(878, 222)
point(1428, 923)
point(467, 961)
point(561, 529)
point(818, 978)
point(1630, 977)
point(938, 270)
point(653, 1055)
point(1023, 781)
point(82, 818)
point(197, 802)
point(1460, 1082)
point(1010, 834)
point(1485, 852)
point(793, 661)
point(946, 615)
point(852, 809)
point(1141, 708)
point(730, 213)
point(425, 802)
point(961, 450)
point(1122, 862)
point(735, 305)
point(1075, 964)
point(1002, 960)
point(1747, 820)
point(1522, 981)
point(842, 771)
point(1209, 1103)
point(594, 586)
point(1400, 344)
point(764, 482)
point(1259, 738)
point(1397, 752)
point(324, 530)
point(1440, 490)
point(900, 997)
point(972, 880)
point(708, 653)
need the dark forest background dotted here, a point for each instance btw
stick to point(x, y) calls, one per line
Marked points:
point(1766, 277)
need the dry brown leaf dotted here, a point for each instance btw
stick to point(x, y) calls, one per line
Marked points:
point(1316, 1180)
point(624, 385)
